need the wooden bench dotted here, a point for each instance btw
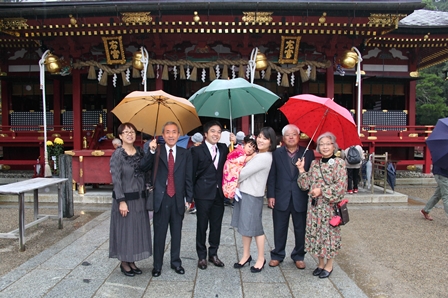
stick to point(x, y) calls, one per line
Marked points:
point(20, 188)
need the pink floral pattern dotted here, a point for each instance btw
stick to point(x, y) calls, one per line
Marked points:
point(231, 172)
point(321, 239)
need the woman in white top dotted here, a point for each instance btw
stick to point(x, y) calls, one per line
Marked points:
point(247, 211)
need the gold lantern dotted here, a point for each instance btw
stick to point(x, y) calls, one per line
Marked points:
point(349, 59)
point(136, 60)
point(261, 62)
point(52, 63)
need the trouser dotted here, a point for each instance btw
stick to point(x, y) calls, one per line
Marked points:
point(441, 192)
point(281, 223)
point(209, 212)
point(353, 178)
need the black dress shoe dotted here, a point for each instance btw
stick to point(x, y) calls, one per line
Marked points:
point(156, 272)
point(136, 270)
point(178, 270)
point(257, 270)
point(238, 265)
point(202, 264)
point(127, 273)
point(216, 261)
point(325, 273)
point(317, 271)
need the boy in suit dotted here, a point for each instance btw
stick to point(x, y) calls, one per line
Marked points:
point(208, 163)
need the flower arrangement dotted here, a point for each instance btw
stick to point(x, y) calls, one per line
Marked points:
point(55, 149)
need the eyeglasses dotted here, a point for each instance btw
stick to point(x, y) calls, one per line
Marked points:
point(128, 132)
point(326, 145)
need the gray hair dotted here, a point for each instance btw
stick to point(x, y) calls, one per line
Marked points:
point(331, 137)
point(290, 126)
point(171, 123)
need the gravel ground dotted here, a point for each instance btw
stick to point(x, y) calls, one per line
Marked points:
point(38, 237)
point(389, 250)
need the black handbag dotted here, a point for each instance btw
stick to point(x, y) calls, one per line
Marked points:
point(149, 191)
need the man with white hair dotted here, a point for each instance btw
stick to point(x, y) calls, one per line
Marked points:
point(286, 198)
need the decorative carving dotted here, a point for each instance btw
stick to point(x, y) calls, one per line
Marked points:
point(13, 23)
point(114, 50)
point(289, 49)
point(136, 17)
point(257, 17)
point(97, 153)
point(385, 19)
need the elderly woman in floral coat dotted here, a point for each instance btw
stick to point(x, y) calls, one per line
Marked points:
point(326, 182)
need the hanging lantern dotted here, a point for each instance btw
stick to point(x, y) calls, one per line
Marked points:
point(52, 63)
point(348, 59)
point(261, 62)
point(136, 60)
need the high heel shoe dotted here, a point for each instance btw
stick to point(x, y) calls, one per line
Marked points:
point(256, 270)
point(127, 273)
point(136, 270)
point(238, 265)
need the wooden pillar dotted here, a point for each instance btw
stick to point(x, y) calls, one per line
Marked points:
point(411, 103)
point(5, 103)
point(57, 102)
point(329, 86)
point(245, 124)
point(77, 110)
point(428, 162)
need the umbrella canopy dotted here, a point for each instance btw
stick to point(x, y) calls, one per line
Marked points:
point(438, 144)
point(316, 115)
point(149, 111)
point(232, 99)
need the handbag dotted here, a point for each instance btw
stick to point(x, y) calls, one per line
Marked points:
point(341, 210)
point(149, 191)
point(340, 216)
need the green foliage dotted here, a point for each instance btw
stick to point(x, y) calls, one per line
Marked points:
point(431, 96)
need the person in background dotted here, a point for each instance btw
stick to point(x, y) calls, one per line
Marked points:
point(146, 137)
point(208, 163)
point(441, 192)
point(234, 163)
point(197, 139)
point(247, 213)
point(353, 170)
point(286, 199)
point(326, 182)
point(173, 192)
point(116, 143)
point(130, 231)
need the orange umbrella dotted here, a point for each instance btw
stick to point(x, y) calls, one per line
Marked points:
point(150, 110)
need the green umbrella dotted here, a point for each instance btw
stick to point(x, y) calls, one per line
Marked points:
point(230, 99)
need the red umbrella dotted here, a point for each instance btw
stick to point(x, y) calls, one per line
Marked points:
point(316, 115)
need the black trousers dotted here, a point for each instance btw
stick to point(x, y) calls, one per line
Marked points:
point(167, 215)
point(209, 213)
point(281, 225)
point(353, 178)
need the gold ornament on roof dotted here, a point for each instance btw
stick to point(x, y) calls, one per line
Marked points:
point(136, 17)
point(196, 18)
point(257, 17)
point(385, 19)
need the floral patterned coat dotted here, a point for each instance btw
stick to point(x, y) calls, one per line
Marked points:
point(231, 172)
point(321, 239)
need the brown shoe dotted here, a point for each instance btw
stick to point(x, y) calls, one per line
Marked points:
point(300, 264)
point(216, 261)
point(202, 264)
point(426, 215)
point(274, 263)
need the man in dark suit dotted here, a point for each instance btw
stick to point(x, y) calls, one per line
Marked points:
point(208, 163)
point(174, 167)
point(286, 198)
